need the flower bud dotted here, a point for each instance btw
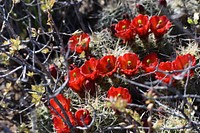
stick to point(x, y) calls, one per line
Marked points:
point(163, 3)
point(53, 70)
point(126, 16)
point(140, 8)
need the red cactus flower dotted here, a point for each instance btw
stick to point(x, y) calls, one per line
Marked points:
point(83, 117)
point(119, 92)
point(150, 62)
point(53, 70)
point(88, 69)
point(65, 102)
point(141, 25)
point(107, 65)
point(60, 126)
point(183, 61)
point(76, 80)
point(167, 67)
point(79, 43)
point(123, 31)
point(159, 25)
point(129, 63)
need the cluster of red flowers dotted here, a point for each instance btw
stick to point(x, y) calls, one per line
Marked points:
point(140, 25)
point(177, 67)
point(81, 118)
point(149, 64)
point(126, 29)
point(106, 66)
point(82, 79)
point(127, 64)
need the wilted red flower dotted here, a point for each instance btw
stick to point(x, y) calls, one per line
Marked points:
point(129, 63)
point(60, 126)
point(141, 25)
point(162, 3)
point(166, 67)
point(140, 8)
point(83, 117)
point(119, 92)
point(76, 80)
point(107, 65)
point(126, 16)
point(88, 69)
point(159, 25)
point(53, 71)
point(79, 42)
point(123, 30)
point(65, 102)
point(183, 61)
point(89, 86)
point(150, 62)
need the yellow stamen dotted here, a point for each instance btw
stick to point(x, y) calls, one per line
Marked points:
point(129, 63)
point(148, 61)
point(84, 113)
point(118, 95)
point(139, 21)
point(74, 74)
point(124, 27)
point(160, 21)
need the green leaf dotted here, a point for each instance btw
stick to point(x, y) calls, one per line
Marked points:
point(47, 5)
point(4, 59)
point(37, 91)
point(30, 74)
point(15, 45)
point(38, 88)
point(190, 21)
point(45, 51)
